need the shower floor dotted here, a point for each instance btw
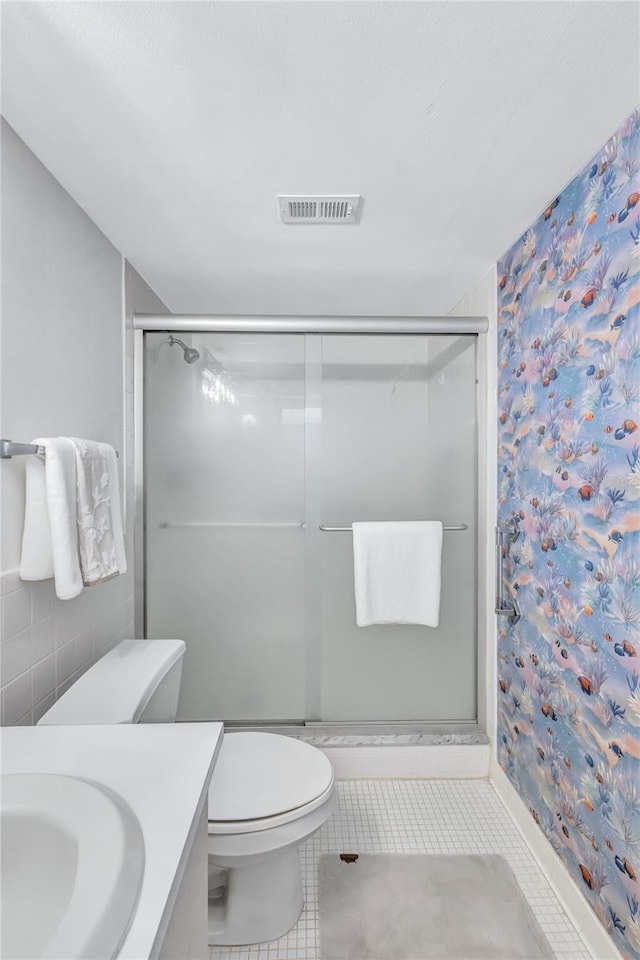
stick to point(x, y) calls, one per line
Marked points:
point(417, 816)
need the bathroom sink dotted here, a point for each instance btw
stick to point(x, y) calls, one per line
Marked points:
point(71, 868)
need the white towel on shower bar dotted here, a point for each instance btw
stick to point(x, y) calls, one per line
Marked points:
point(50, 537)
point(100, 533)
point(397, 572)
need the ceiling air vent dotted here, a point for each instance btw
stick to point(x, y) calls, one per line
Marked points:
point(319, 209)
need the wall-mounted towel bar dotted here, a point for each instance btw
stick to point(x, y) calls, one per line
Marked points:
point(9, 449)
point(459, 526)
point(506, 534)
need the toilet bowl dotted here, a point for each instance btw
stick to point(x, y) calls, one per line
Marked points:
point(268, 792)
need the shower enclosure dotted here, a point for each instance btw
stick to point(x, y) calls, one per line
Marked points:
point(258, 456)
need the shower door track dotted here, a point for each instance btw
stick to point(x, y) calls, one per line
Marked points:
point(198, 323)
point(391, 733)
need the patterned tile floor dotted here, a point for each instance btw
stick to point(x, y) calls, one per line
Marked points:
point(417, 816)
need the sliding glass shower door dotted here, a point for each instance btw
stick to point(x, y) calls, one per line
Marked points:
point(224, 493)
point(398, 443)
point(250, 450)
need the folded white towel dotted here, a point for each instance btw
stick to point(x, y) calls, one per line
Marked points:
point(397, 572)
point(100, 534)
point(50, 538)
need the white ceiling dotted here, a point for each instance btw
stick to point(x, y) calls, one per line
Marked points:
point(175, 124)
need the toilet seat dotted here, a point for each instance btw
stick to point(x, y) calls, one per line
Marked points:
point(263, 780)
point(221, 827)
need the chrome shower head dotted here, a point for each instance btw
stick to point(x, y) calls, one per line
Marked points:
point(190, 353)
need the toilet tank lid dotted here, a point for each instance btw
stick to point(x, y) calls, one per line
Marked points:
point(118, 687)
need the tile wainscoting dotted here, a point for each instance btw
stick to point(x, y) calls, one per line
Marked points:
point(46, 643)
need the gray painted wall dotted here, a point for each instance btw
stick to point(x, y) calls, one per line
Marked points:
point(63, 367)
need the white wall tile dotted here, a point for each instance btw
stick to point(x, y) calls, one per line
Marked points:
point(84, 648)
point(15, 656)
point(16, 612)
point(106, 597)
point(25, 721)
point(43, 600)
point(68, 683)
point(72, 617)
point(16, 698)
point(43, 638)
point(43, 678)
point(39, 709)
point(9, 582)
point(65, 662)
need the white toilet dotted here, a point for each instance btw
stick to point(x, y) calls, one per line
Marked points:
point(268, 792)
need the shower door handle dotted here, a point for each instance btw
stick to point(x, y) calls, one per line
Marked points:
point(506, 534)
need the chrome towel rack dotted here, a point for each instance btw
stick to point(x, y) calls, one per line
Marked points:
point(506, 534)
point(9, 449)
point(325, 529)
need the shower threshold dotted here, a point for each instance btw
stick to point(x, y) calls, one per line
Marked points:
point(334, 734)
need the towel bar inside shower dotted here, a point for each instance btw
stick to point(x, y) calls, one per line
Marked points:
point(326, 529)
point(9, 449)
point(168, 525)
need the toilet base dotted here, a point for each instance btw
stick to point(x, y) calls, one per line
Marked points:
point(261, 900)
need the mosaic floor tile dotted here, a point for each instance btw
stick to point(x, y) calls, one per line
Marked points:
point(417, 816)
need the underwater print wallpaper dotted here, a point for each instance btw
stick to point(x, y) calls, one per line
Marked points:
point(569, 470)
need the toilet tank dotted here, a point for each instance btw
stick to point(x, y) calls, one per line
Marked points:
point(138, 681)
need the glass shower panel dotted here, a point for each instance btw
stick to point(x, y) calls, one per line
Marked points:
point(398, 443)
point(224, 481)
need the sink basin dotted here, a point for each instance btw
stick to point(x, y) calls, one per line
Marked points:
point(71, 868)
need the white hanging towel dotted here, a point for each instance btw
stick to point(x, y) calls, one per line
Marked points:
point(397, 572)
point(73, 521)
point(50, 537)
point(99, 517)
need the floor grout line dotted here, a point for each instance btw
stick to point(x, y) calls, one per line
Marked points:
point(418, 816)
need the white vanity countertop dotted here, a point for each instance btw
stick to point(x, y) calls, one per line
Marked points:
point(161, 770)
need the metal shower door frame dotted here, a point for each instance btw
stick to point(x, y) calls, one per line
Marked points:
point(394, 326)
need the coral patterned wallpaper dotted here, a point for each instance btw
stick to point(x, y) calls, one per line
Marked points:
point(569, 468)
